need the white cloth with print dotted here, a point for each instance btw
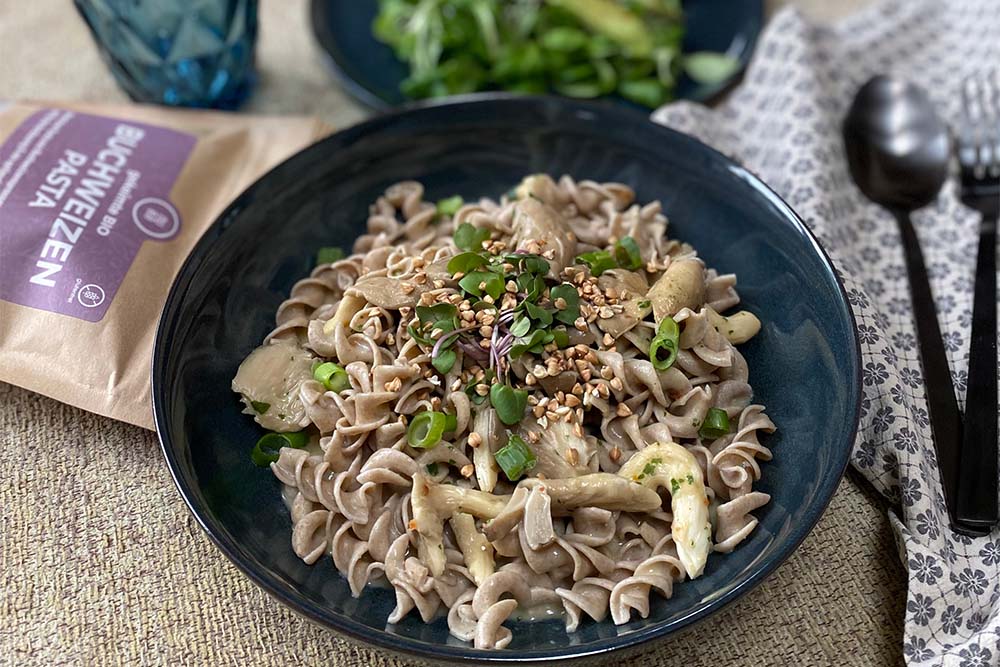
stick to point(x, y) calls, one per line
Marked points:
point(783, 123)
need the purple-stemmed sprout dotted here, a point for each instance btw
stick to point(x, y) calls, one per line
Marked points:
point(440, 342)
point(472, 350)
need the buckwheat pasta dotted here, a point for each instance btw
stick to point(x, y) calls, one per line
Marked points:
point(529, 406)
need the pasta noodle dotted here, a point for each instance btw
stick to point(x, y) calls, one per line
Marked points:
point(486, 407)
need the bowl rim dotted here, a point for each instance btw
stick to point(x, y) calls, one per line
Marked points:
point(379, 639)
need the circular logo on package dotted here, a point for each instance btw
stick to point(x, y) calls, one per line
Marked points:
point(90, 295)
point(156, 218)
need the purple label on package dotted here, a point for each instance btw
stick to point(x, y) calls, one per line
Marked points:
point(79, 195)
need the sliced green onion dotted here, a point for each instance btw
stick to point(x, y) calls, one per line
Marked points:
point(329, 255)
point(260, 407)
point(508, 402)
point(598, 261)
point(427, 428)
point(663, 348)
point(450, 205)
point(332, 376)
point(468, 237)
point(716, 424)
point(627, 253)
point(515, 458)
point(268, 448)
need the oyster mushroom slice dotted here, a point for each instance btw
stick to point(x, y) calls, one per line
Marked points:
point(682, 285)
point(434, 503)
point(539, 222)
point(385, 292)
point(631, 286)
point(268, 381)
point(552, 449)
point(599, 489)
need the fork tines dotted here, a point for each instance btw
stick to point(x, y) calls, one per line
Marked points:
point(979, 129)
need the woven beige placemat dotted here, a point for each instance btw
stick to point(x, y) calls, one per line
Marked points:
point(102, 564)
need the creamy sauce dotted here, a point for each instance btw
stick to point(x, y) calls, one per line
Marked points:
point(539, 612)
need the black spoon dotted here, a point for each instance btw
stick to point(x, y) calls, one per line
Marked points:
point(898, 151)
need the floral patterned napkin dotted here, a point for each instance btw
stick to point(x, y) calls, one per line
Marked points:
point(783, 122)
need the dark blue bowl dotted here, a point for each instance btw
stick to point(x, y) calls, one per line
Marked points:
point(804, 364)
point(369, 70)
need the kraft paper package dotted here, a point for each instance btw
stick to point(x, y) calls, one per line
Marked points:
point(99, 207)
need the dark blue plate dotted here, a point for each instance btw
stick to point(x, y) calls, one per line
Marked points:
point(804, 364)
point(370, 71)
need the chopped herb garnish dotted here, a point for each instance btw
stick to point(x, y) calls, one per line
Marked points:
point(444, 360)
point(465, 262)
point(478, 283)
point(532, 285)
point(520, 327)
point(569, 313)
point(541, 316)
point(534, 264)
point(437, 312)
point(645, 304)
point(417, 336)
point(560, 337)
point(508, 402)
point(690, 478)
point(674, 485)
point(432, 469)
point(533, 343)
point(468, 237)
point(260, 407)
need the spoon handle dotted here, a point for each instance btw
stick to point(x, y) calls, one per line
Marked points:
point(976, 503)
point(942, 408)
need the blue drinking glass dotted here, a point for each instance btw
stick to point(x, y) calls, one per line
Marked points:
point(192, 53)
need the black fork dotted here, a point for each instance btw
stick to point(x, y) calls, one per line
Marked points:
point(979, 158)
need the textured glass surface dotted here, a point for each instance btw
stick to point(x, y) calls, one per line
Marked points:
point(197, 53)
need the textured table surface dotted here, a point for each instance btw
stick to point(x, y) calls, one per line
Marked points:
point(101, 563)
